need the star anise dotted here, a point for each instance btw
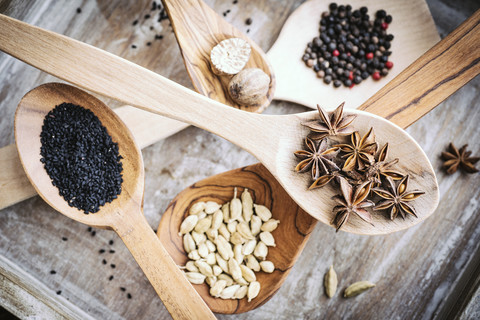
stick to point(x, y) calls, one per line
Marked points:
point(350, 202)
point(326, 178)
point(316, 158)
point(360, 152)
point(397, 198)
point(381, 167)
point(330, 124)
point(459, 158)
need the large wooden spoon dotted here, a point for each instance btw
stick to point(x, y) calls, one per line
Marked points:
point(124, 215)
point(272, 139)
point(294, 82)
point(198, 29)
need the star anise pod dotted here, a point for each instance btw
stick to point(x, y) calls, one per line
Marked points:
point(459, 158)
point(326, 178)
point(360, 152)
point(381, 167)
point(316, 158)
point(352, 203)
point(330, 124)
point(397, 198)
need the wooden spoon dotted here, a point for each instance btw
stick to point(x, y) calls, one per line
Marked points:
point(271, 138)
point(124, 215)
point(198, 29)
point(291, 234)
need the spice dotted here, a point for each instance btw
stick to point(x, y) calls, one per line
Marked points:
point(352, 202)
point(317, 158)
point(230, 56)
point(396, 198)
point(330, 124)
point(227, 259)
point(349, 47)
point(249, 87)
point(80, 157)
point(330, 282)
point(455, 159)
point(356, 288)
point(360, 152)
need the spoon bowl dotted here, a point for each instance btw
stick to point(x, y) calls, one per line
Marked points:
point(291, 234)
point(198, 29)
point(124, 215)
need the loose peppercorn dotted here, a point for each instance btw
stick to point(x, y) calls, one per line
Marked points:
point(349, 46)
point(389, 64)
point(376, 75)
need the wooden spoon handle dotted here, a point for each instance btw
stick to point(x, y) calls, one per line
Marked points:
point(432, 78)
point(177, 294)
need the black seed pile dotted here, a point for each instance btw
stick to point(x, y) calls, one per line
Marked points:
point(80, 157)
point(350, 47)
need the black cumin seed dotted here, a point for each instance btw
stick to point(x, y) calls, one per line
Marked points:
point(158, 37)
point(134, 46)
point(248, 21)
point(248, 30)
point(112, 251)
point(129, 296)
point(53, 272)
point(101, 251)
point(104, 261)
point(94, 233)
point(80, 158)
point(123, 289)
point(235, 1)
point(89, 229)
point(149, 44)
point(64, 238)
point(113, 266)
point(79, 10)
point(147, 16)
point(110, 242)
point(110, 278)
point(135, 23)
point(59, 292)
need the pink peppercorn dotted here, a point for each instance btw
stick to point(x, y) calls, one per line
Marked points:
point(384, 25)
point(389, 64)
point(369, 55)
point(376, 75)
point(336, 53)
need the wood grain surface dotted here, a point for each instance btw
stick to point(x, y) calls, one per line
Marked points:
point(430, 268)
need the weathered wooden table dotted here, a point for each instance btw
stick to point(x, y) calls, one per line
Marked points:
point(51, 267)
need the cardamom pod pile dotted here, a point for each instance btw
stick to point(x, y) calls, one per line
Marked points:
point(227, 244)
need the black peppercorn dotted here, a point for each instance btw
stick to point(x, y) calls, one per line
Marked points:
point(388, 19)
point(327, 79)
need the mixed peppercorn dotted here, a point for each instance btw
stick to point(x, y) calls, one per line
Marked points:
point(350, 47)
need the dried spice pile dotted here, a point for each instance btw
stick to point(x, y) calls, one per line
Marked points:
point(227, 244)
point(350, 47)
point(80, 157)
point(362, 174)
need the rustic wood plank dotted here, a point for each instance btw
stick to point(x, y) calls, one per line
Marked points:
point(416, 270)
point(27, 297)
